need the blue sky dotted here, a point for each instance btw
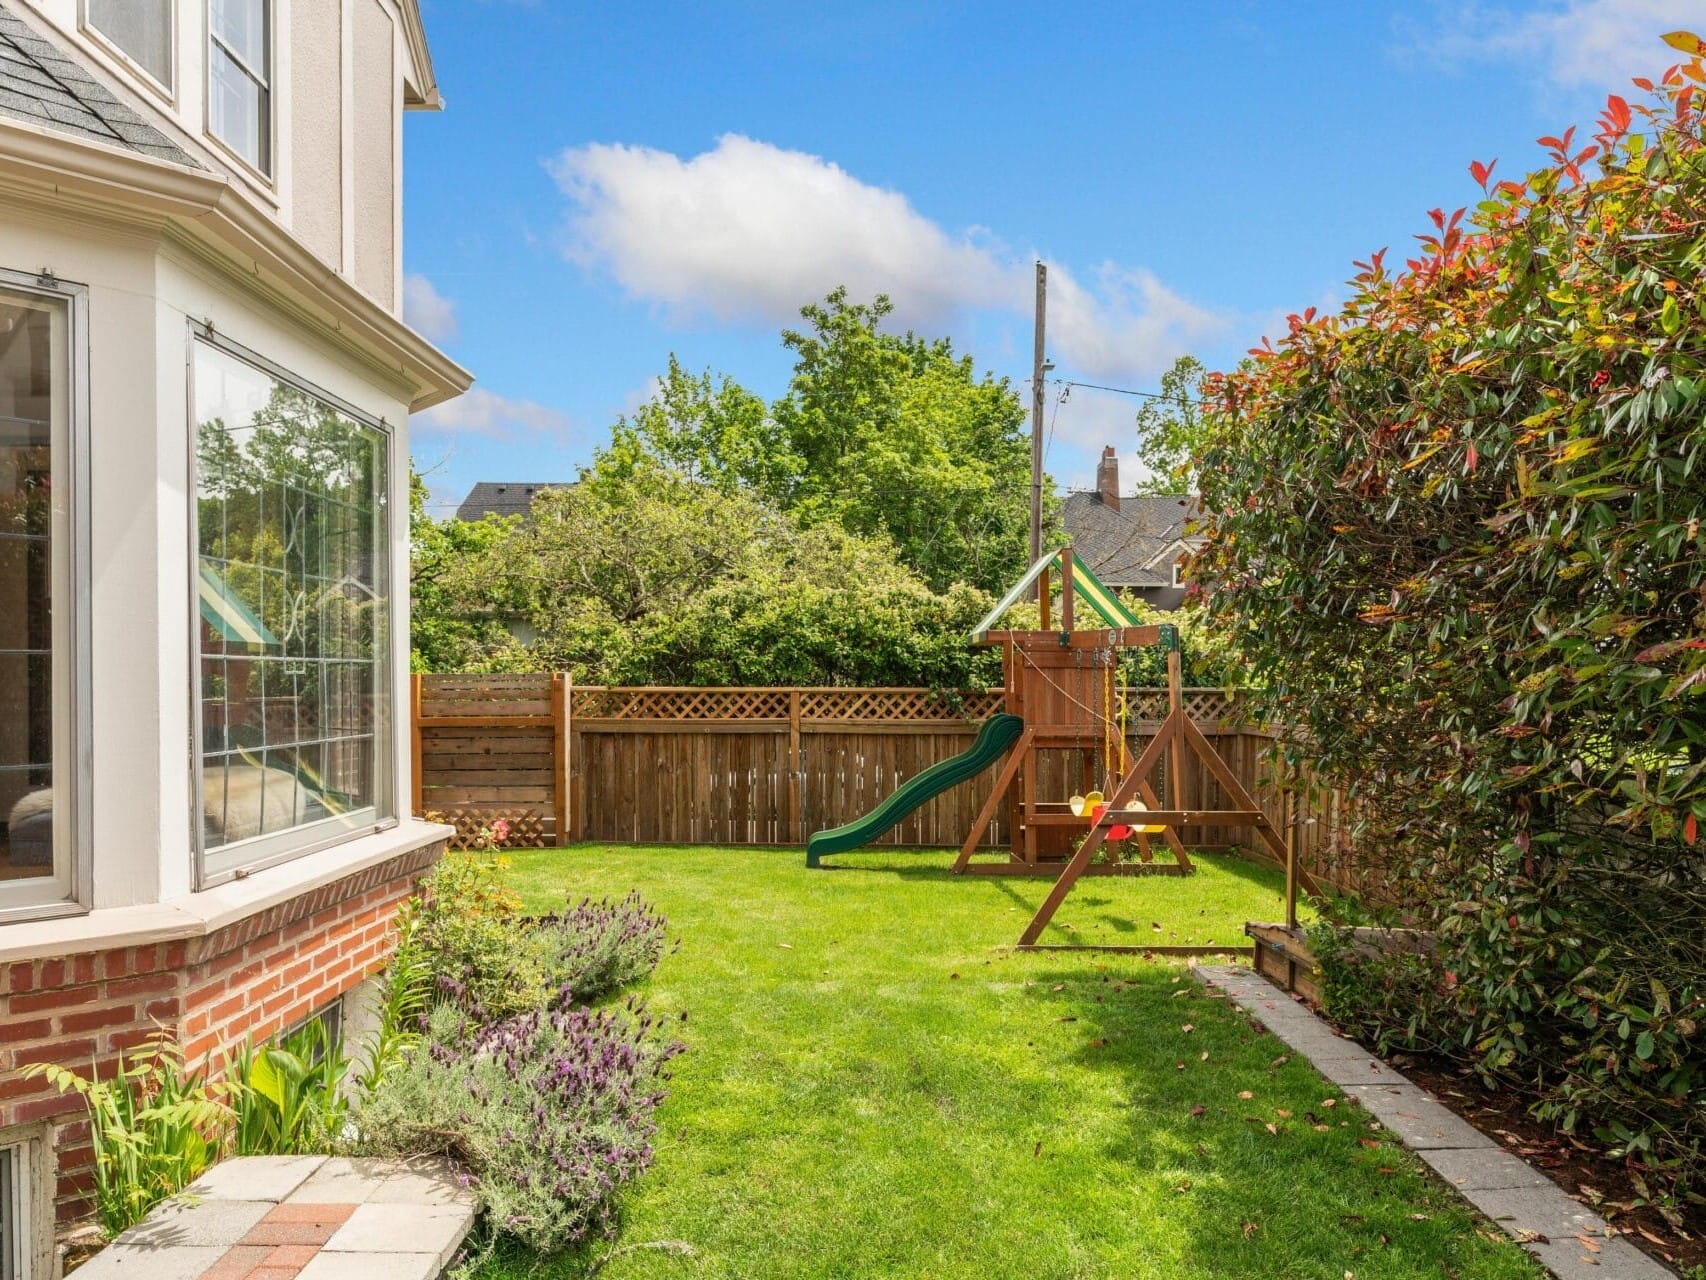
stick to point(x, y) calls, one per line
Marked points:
point(609, 184)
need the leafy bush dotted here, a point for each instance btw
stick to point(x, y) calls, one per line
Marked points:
point(552, 1111)
point(1456, 530)
point(155, 1127)
point(288, 1097)
point(494, 962)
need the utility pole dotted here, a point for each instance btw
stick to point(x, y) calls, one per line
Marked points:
point(1038, 368)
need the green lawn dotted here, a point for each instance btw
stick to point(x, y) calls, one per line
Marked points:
point(876, 1087)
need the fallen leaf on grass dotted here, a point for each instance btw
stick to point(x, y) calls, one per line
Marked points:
point(1187, 1028)
point(1272, 1128)
point(1282, 1113)
point(1204, 1056)
point(1418, 1217)
point(1071, 1017)
point(1329, 1102)
point(1281, 1060)
point(1179, 1065)
point(1059, 986)
point(1036, 1151)
point(1198, 1110)
point(1372, 1144)
point(1323, 1128)
point(1183, 1186)
point(1245, 1094)
point(1250, 1229)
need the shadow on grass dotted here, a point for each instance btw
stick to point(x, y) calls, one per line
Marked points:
point(1242, 1133)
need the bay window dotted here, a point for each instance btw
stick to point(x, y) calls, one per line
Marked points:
point(292, 615)
point(39, 611)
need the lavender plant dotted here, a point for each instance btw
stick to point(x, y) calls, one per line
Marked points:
point(596, 947)
point(552, 1112)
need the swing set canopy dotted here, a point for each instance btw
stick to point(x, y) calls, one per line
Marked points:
point(1086, 587)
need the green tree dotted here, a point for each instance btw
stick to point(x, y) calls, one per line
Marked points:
point(1170, 430)
point(449, 629)
point(654, 579)
point(889, 435)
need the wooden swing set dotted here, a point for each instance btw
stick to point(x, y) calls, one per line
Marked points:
point(1064, 684)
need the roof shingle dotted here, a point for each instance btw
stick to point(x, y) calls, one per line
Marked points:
point(503, 498)
point(1118, 544)
point(39, 83)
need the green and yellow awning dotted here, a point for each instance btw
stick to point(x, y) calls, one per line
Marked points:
point(228, 614)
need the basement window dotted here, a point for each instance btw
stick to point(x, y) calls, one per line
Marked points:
point(14, 1213)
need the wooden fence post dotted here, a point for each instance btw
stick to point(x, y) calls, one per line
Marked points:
point(560, 754)
point(416, 754)
point(796, 811)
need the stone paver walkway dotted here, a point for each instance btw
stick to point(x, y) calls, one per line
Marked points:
point(1571, 1240)
point(298, 1218)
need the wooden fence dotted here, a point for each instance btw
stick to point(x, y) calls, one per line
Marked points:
point(769, 765)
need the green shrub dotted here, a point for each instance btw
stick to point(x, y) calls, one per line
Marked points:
point(155, 1127)
point(288, 1097)
point(551, 1111)
point(1456, 529)
point(494, 962)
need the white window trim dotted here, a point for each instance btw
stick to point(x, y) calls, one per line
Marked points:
point(267, 79)
point(1178, 573)
point(110, 49)
point(67, 891)
point(260, 852)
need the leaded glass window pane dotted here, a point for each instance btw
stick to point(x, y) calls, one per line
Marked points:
point(293, 604)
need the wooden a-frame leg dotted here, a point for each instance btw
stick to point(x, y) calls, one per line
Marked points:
point(1080, 861)
point(1176, 845)
point(1242, 799)
point(986, 815)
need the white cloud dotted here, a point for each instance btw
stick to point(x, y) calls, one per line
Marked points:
point(1570, 43)
point(748, 231)
point(428, 311)
point(481, 412)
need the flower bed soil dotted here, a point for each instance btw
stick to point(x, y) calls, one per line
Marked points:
point(1581, 1170)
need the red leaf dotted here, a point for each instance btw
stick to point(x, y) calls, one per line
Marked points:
point(1641, 82)
point(1617, 113)
point(1474, 458)
point(1481, 172)
point(1690, 829)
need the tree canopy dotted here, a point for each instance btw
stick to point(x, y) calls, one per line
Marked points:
point(885, 434)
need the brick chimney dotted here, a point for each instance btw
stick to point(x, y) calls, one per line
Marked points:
point(1108, 478)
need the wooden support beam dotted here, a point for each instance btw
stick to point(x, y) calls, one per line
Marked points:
point(560, 755)
point(1092, 842)
point(986, 815)
point(416, 751)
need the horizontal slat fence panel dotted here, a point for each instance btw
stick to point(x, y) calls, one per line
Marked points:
point(771, 765)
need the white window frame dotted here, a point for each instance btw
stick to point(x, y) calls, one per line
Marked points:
point(266, 77)
point(1179, 572)
point(66, 891)
point(30, 1204)
point(260, 852)
point(107, 45)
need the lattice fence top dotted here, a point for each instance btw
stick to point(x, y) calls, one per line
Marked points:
point(595, 703)
point(907, 705)
point(485, 695)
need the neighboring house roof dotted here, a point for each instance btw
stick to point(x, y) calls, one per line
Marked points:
point(41, 83)
point(503, 498)
point(1128, 546)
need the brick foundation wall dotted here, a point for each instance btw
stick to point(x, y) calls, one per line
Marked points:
point(249, 979)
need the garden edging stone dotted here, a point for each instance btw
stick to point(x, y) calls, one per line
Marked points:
point(1568, 1238)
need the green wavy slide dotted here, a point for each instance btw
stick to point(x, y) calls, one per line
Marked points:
point(997, 734)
